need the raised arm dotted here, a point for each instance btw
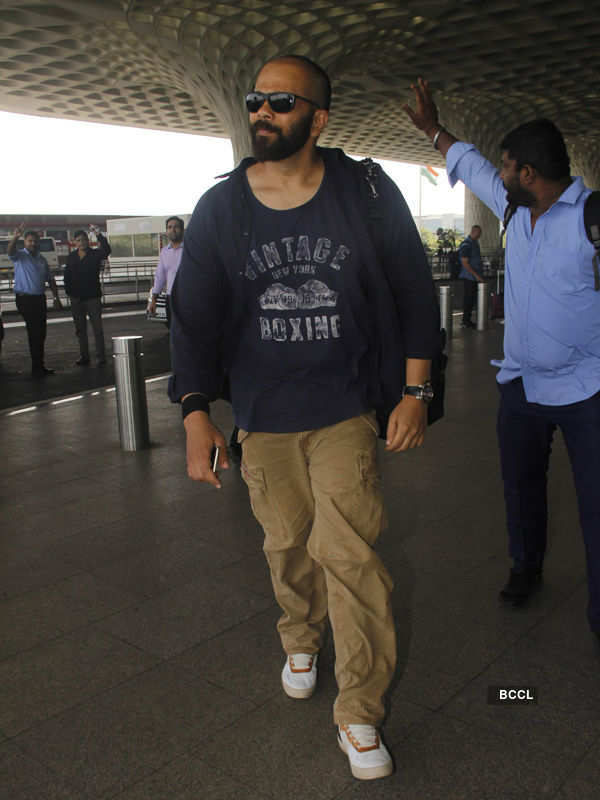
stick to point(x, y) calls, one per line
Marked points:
point(463, 161)
point(425, 117)
point(103, 245)
point(12, 245)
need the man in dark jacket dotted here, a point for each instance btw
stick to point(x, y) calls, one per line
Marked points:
point(82, 284)
point(283, 290)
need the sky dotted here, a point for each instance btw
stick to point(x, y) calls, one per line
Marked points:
point(55, 166)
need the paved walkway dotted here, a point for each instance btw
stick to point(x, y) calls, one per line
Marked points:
point(17, 388)
point(138, 653)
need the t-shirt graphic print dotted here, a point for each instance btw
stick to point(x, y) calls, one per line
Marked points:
point(293, 369)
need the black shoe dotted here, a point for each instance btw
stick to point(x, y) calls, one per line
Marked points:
point(82, 362)
point(468, 324)
point(521, 585)
point(41, 372)
point(101, 362)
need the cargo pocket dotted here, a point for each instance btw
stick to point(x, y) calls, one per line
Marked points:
point(257, 489)
point(370, 419)
point(370, 511)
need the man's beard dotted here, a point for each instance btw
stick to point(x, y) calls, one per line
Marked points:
point(282, 146)
point(516, 195)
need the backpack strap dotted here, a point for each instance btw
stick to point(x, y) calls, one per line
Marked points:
point(369, 188)
point(509, 212)
point(591, 220)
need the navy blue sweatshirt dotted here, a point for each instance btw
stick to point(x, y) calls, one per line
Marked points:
point(396, 287)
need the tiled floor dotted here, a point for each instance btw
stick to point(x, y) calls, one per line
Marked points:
point(62, 350)
point(138, 652)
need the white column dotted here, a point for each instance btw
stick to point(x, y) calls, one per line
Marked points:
point(477, 213)
point(585, 161)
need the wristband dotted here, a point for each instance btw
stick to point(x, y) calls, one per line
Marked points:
point(194, 402)
point(436, 137)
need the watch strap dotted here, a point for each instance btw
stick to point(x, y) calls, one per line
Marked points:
point(422, 391)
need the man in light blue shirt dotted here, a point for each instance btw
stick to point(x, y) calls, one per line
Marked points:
point(550, 374)
point(31, 275)
point(471, 273)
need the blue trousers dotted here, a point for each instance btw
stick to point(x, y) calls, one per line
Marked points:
point(469, 298)
point(525, 432)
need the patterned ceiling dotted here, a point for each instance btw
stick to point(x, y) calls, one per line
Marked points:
point(183, 65)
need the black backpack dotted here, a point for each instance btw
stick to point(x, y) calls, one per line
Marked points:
point(374, 214)
point(455, 264)
point(591, 220)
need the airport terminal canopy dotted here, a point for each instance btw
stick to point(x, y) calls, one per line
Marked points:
point(184, 65)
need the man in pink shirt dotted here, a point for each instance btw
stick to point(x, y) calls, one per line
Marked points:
point(168, 264)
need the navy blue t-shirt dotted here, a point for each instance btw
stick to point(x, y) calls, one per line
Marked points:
point(297, 364)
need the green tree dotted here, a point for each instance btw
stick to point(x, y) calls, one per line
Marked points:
point(429, 240)
point(447, 239)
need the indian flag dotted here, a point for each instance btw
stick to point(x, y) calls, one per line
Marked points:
point(429, 173)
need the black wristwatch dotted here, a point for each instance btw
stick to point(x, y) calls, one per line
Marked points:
point(422, 392)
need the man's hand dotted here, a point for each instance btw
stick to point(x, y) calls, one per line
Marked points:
point(425, 116)
point(201, 437)
point(466, 264)
point(406, 425)
point(18, 231)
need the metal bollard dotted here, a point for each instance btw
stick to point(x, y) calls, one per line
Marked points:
point(482, 306)
point(446, 310)
point(132, 410)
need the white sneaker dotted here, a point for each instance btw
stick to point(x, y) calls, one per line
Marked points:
point(299, 676)
point(368, 756)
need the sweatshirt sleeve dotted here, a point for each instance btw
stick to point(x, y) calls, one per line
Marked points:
point(409, 276)
point(199, 306)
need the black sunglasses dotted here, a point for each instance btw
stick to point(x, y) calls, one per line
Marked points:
point(280, 102)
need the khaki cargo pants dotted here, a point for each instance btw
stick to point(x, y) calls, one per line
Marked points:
point(318, 497)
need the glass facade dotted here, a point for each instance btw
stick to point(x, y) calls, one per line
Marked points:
point(122, 246)
point(145, 244)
